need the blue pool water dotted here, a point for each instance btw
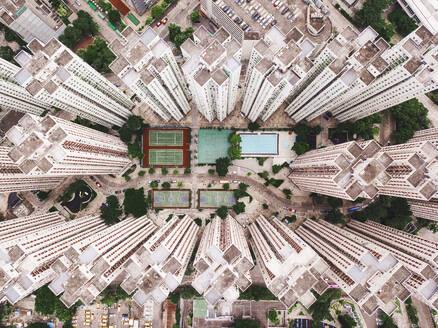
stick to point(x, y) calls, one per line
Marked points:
point(259, 144)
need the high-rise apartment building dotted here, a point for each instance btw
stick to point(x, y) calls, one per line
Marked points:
point(13, 96)
point(146, 64)
point(270, 79)
point(30, 245)
point(158, 266)
point(341, 64)
point(222, 262)
point(365, 169)
point(418, 255)
point(399, 73)
point(371, 275)
point(46, 149)
point(54, 75)
point(212, 70)
point(290, 267)
point(84, 272)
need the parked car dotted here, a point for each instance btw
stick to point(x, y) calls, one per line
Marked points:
point(285, 10)
point(92, 178)
point(158, 24)
point(98, 184)
point(118, 192)
point(164, 20)
point(273, 22)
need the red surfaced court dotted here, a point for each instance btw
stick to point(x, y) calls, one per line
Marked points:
point(124, 10)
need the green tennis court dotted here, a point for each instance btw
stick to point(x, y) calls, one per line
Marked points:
point(171, 198)
point(165, 157)
point(165, 138)
point(216, 198)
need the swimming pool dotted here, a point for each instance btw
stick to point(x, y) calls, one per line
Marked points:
point(259, 144)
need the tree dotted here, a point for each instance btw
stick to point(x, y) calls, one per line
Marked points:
point(165, 185)
point(183, 36)
point(317, 199)
point(70, 36)
point(257, 293)
point(264, 174)
point(85, 23)
point(110, 211)
point(174, 30)
point(179, 184)
point(55, 3)
point(363, 128)
point(334, 202)
point(276, 168)
point(164, 171)
point(134, 123)
point(235, 152)
point(135, 202)
point(335, 216)
point(243, 186)
point(37, 325)
point(134, 150)
point(320, 308)
point(245, 323)
point(410, 117)
point(222, 212)
point(346, 321)
point(402, 22)
point(154, 184)
point(114, 17)
point(141, 173)
point(222, 164)
point(253, 126)
point(288, 193)
point(273, 316)
point(7, 53)
point(198, 221)
point(300, 147)
point(235, 139)
point(157, 11)
point(391, 211)
point(371, 14)
point(43, 195)
point(195, 17)
point(151, 170)
point(387, 321)
point(226, 186)
point(98, 55)
point(211, 171)
point(239, 207)
point(111, 296)
point(125, 133)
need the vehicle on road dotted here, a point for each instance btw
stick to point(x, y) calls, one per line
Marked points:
point(353, 209)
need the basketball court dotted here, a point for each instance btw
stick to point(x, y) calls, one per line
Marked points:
point(171, 199)
point(215, 198)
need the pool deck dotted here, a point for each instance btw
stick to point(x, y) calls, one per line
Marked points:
point(285, 142)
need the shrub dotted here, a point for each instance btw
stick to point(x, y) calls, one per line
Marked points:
point(154, 184)
point(195, 17)
point(166, 185)
point(157, 11)
point(141, 173)
point(211, 171)
point(135, 202)
point(151, 170)
point(164, 171)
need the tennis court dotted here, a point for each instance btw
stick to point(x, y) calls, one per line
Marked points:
point(215, 198)
point(165, 137)
point(166, 157)
point(171, 199)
